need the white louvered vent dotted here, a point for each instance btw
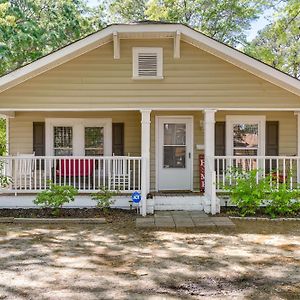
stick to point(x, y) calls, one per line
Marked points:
point(147, 63)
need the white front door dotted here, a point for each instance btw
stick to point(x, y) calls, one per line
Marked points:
point(174, 153)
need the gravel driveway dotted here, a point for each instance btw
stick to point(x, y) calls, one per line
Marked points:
point(256, 260)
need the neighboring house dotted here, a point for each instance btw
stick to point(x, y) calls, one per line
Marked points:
point(132, 107)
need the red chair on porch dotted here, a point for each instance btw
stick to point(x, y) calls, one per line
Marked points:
point(75, 167)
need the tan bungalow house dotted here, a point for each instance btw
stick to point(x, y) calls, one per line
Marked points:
point(160, 109)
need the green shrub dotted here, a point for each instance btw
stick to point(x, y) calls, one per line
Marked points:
point(56, 196)
point(283, 201)
point(4, 179)
point(247, 192)
point(104, 198)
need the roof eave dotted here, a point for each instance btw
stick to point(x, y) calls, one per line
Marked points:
point(194, 37)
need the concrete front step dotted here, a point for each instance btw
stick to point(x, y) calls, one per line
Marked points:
point(182, 202)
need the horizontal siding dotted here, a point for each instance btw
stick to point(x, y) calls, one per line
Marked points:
point(21, 132)
point(21, 128)
point(287, 128)
point(95, 80)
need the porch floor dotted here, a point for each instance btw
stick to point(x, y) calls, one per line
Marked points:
point(182, 219)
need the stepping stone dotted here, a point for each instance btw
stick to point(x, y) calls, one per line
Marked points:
point(199, 214)
point(204, 222)
point(180, 213)
point(162, 213)
point(164, 221)
point(183, 222)
point(145, 222)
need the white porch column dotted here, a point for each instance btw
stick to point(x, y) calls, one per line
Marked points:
point(145, 149)
point(209, 150)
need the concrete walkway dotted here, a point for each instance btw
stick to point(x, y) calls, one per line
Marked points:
point(182, 219)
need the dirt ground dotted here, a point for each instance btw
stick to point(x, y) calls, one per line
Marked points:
point(256, 260)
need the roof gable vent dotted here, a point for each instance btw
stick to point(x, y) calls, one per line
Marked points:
point(147, 63)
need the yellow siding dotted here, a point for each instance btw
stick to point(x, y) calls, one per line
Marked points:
point(21, 128)
point(21, 131)
point(287, 128)
point(95, 80)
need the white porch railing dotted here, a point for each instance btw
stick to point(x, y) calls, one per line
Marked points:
point(283, 169)
point(87, 174)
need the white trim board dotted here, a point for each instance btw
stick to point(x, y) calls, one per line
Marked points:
point(137, 109)
point(158, 51)
point(189, 35)
point(233, 119)
point(78, 133)
point(81, 201)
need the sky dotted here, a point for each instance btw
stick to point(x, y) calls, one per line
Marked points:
point(256, 25)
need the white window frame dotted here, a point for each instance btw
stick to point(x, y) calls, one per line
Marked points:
point(78, 126)
point(246, 119)
point(156, 50)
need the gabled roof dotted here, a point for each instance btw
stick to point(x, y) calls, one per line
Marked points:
point(151, 30)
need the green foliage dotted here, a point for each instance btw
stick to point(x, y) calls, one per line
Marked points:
point(4, 179)
point(283, 201)
point(56, 196)
point(225, 21)
point(278, 44)
point(127, 10)
point(32, 28)
point(104, 198)
point(2, 137)
point(247, 190)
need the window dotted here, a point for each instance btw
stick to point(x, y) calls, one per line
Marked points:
point(94, 144)
point(245, 135)
point(174, 145)
point(245, 139)
point(78, 137)
point(63, 140)
point(147, 63)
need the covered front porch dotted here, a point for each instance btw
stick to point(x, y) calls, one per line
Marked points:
point(154, 152)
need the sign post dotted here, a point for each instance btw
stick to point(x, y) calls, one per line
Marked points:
point(136, 197)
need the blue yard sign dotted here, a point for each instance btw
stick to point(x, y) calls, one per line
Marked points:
point(136, 197)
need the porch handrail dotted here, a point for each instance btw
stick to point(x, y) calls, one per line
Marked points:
point(69, 157)
point(282, 169)
point(86, 173)
point(258, 156)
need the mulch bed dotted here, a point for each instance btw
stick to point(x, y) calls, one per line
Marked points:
point(231, 211)
point(111, 215)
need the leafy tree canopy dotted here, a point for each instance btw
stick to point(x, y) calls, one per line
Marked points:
point(224, 20)
point(30, 29)
point(278, 44)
